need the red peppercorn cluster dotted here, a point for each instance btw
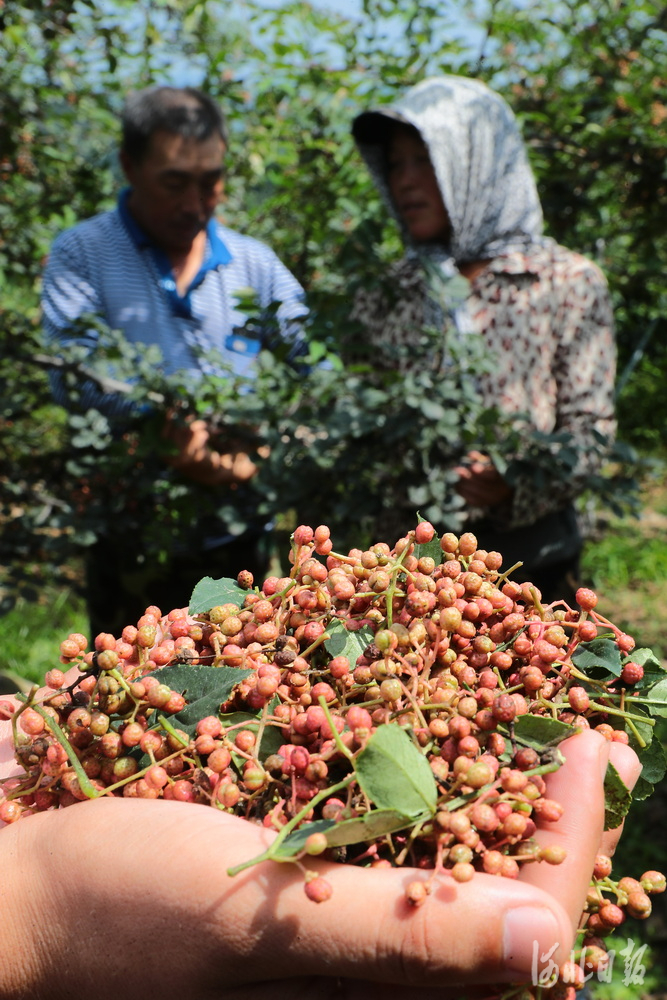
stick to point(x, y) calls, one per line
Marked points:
point(429, 637)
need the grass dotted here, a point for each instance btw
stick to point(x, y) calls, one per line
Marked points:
point(30, 636)
point(634, 973)
point(625, 561)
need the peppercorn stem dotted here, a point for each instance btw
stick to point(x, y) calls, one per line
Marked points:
point(294, 822)
point(624, 715)
point(261, 728)
point(166, 725)
point(391, 589)
point(334, 732)
point(84, 782)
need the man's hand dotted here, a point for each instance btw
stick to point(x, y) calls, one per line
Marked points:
point(480, 484)
point(203, 464)
point(129, 896)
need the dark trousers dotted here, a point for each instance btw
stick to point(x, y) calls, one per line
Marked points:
point(559, 581)
point(549, 550)
point(121, 582)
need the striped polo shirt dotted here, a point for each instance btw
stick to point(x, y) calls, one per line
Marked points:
point(107, 266)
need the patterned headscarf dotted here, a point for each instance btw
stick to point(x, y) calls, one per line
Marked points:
point(479, 160)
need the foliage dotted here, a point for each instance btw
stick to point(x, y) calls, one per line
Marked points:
point(626, 564)
point(329, 426)
point(31, 633)
point(589, 84)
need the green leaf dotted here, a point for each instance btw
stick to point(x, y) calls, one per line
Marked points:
point(431, 549)
point(644, 729)
point(371, 825)
point(204, 688)
point(394, 775)
point(294, 843)
point(617, 799)
point(209, 593)
point(655, 695)
point(431, 409)
point(358, 830)
point(648, 660)
point(342, 642)
point(642, 790)
point(273, 737)
point(653, 759)
point(654, 671)
point(55, 154)
point(540, 731)
point(599, 653)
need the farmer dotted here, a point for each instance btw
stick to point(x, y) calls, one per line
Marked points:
point(131, 897)
point(160, 268)
point(450, 163)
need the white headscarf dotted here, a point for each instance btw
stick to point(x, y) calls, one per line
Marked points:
point(479, 160)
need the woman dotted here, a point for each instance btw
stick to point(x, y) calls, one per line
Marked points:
point(450, 163)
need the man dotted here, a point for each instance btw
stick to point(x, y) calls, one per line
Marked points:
point(161, 269)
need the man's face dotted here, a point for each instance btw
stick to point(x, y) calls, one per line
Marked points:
point(414, 188)
point(175, 188)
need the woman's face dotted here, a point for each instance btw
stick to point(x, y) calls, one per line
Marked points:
point(414, 188)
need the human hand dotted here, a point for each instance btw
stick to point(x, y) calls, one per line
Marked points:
point(480, 484)
point(134, 895)
point(201, 463)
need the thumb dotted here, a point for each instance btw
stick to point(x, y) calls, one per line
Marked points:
point(486, 930)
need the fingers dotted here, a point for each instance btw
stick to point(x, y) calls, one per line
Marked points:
point(478, 457)
point(201, 462)
point(481, 931)
point(182, 433)
point(212, 468)
point(8, 765)
point(626, 762)
point(220, 468)
point(482, 486)
point(578, 786)
point(158, 871)
point(242, 467)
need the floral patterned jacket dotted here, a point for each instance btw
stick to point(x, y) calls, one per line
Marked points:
point(546, 318)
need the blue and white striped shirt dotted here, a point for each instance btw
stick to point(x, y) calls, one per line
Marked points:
point(107, 266)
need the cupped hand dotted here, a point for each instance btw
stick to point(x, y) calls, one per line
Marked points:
point(198, 461)
point(480, 484)
point(133, 897)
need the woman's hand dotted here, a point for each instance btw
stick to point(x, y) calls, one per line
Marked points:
point(480, 484)
point(132, 897)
